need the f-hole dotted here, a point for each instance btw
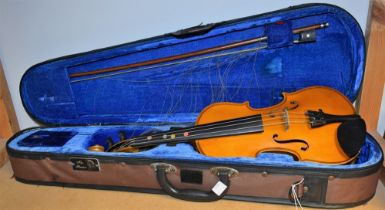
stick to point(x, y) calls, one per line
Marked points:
point(287, 141)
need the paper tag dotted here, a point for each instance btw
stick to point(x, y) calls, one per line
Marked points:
point(219, 188)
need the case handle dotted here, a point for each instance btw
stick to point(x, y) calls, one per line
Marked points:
point(193, 31)
point(223, 173)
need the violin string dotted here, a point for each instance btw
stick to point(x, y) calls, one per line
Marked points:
point(158, 141)
point(199, 128)
point(129, 142)
point(237, 129)
point(210, 128)
point(143, 138)
point(239, 119)
point(217, 125)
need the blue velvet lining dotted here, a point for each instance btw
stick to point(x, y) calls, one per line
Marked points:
point(370, 153)
point(177, 93)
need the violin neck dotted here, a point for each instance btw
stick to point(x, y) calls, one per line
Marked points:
point(239, 126)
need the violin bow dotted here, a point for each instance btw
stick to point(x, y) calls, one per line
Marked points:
point(197, 53)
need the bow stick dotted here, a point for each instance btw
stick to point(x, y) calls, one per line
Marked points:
point(192, 54)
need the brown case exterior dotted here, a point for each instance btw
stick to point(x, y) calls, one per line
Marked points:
point(194, 181)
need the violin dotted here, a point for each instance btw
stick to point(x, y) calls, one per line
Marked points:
point(316, 124)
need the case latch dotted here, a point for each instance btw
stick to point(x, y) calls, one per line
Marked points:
point(85, 164)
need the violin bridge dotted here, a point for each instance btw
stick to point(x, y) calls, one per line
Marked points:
point(285, 118)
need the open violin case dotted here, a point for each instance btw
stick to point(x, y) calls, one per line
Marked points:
point(77, 112)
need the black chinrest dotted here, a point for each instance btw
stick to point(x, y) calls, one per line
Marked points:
point(351, 136)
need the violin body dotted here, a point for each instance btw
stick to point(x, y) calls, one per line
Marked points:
point(319, 144)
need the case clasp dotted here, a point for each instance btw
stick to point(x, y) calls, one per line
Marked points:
point(85, 164)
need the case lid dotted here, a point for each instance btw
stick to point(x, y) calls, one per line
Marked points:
point(176, 91)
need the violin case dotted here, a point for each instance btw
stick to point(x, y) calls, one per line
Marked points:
point(79, 112)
